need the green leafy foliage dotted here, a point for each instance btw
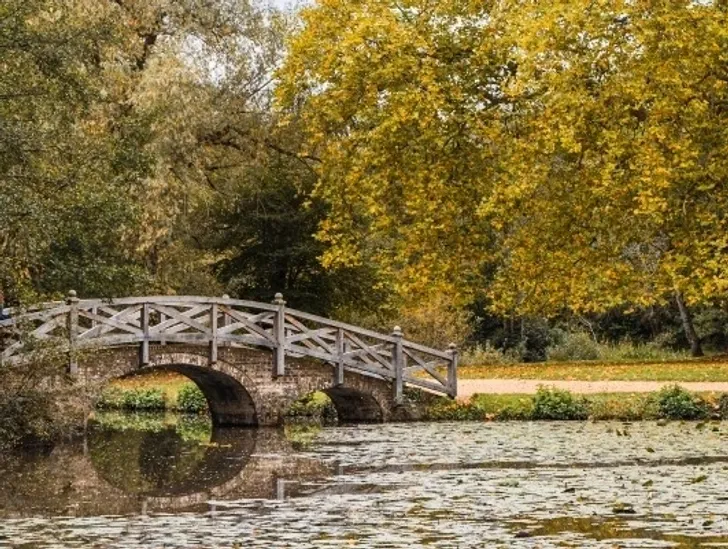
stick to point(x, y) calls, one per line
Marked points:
point(558, 404)
point(723, 406)
point(316, 408)
point(674, 402)
point(450, 410)
point(143, 399)
point(477, 355)
point(113, 398)
point(32, 409)
point(191, 399)
point(574, 346)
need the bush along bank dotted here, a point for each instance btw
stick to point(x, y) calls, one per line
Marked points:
point(671, 403)
point(189, 399)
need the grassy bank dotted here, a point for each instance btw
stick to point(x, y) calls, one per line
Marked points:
point(671, 403)
point(157, 391)
point(712, 369)
point(171, 392)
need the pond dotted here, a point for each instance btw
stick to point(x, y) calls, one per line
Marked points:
point(163, 481)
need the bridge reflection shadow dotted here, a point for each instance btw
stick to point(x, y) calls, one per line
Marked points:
point(172, 467)
point(156, 466)
point(169, 461)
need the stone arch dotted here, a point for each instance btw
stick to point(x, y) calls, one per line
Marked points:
point(229, 401)
point(354, 406)
point(242, 388)
point(230, 395)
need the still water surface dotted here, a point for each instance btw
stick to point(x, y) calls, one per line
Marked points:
point(164, 482)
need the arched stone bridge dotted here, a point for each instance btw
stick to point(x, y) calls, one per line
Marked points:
point(251, 359)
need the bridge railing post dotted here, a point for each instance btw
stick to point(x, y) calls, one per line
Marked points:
point(398, 365)
point(144, 349)
point(340, 350)
point(224, 320)
point(72, 325)
point(279, 329)
point(213, 333)
point(452, 371)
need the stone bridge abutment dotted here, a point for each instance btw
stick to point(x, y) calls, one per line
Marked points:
point(241, 386)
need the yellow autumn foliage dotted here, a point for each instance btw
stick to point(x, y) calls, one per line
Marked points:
point(549, 155)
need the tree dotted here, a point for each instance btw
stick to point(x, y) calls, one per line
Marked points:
point(558, 155)
point(399, 101)
point(263, 230)
point(65, 157)
point(617, 191)
point(106, 107)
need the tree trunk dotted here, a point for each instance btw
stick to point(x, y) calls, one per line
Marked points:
point(687, 321)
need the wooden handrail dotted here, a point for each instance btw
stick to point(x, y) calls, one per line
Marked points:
point(213, 321)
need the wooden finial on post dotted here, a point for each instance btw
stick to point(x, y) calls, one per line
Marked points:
point(72, 326)
point(398, 365)
point(452, 370)
point(279, 329)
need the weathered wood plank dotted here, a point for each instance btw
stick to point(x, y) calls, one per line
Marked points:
point(144, 358)
point(339, 377)
point(213, 335)
point(42, 316)
point(103, 321)
point(417, 382)
point(129, 317)
point(312, 334)
point(428, 367)
point(398, 366)
point(180, 317)
point(426, 350)
point(372, 353)
point(246, 322)
point(336, 324)
point(279, 331)
point(172, 325)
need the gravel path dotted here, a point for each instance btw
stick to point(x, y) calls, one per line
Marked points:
point(468, 387)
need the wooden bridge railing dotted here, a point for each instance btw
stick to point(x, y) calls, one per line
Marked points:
point(215, 322)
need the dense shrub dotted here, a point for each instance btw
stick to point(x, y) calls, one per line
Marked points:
point(712, 327)
point(111, 399)
point(536, 339)
point(28, 417)
point(191, 399)
point(626, 350)
point(557, 404)
point(723, 406)
point(115, 398)
point(623, 407)
point(143, 399)
point(313, 408)
point(574, 346)
point(486, 354)
point(504, 407)
point(451, 410)
point(674, 402)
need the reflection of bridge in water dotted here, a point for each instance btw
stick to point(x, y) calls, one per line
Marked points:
point(133, 472)
point(251, 360)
